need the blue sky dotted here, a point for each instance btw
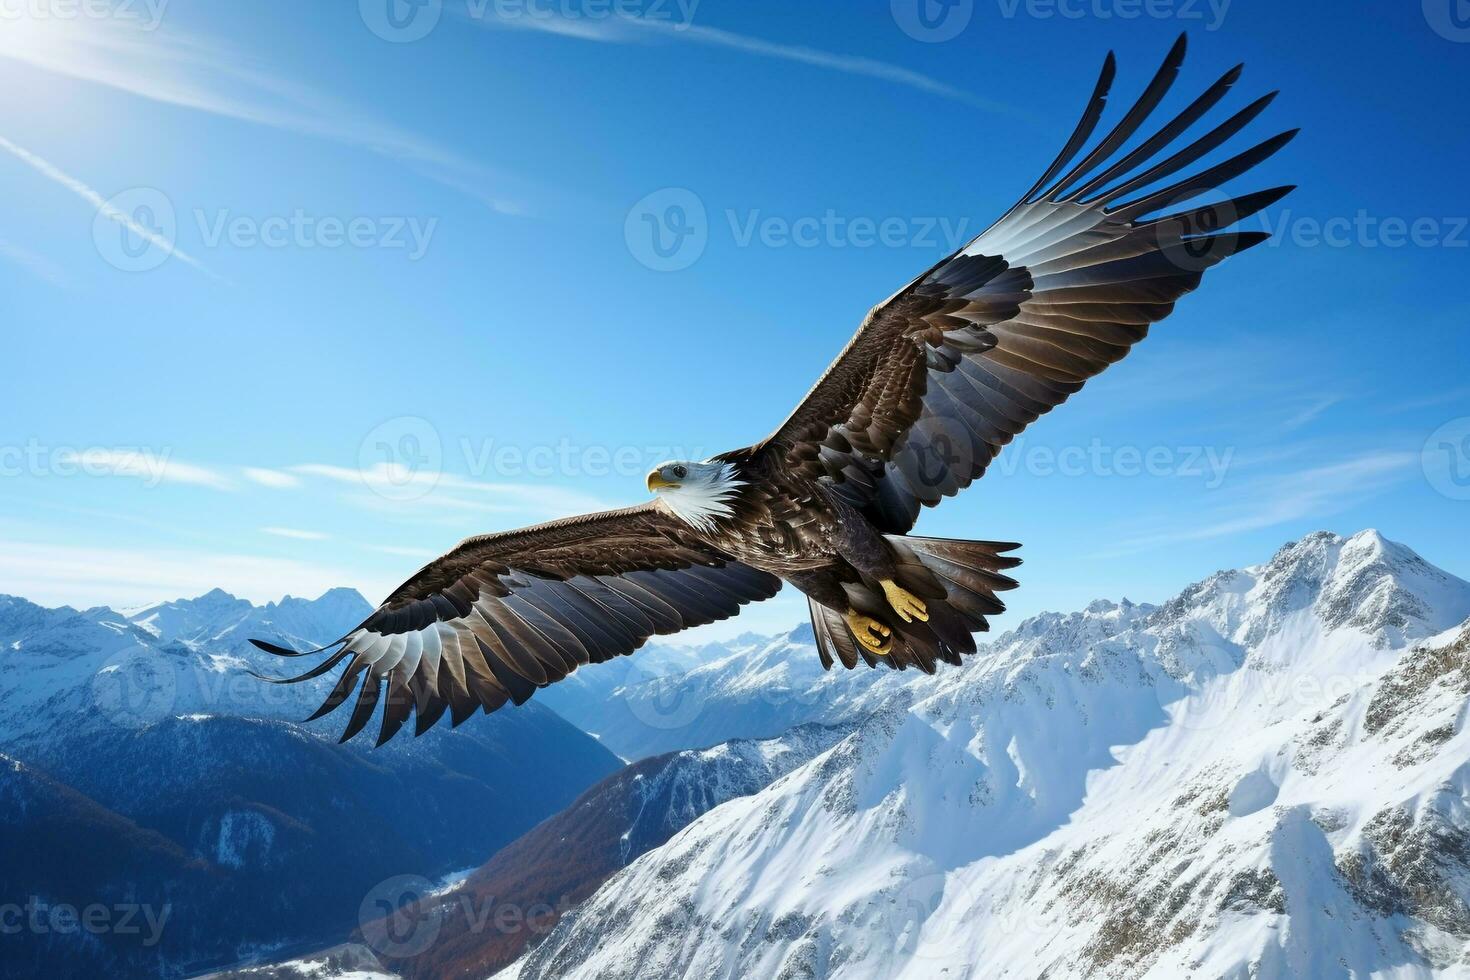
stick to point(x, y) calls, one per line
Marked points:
point(296, 295)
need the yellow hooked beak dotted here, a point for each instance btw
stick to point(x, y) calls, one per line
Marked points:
point(657, 482)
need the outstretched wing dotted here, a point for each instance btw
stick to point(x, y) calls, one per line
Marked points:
point(504, 614)
point(956, 364)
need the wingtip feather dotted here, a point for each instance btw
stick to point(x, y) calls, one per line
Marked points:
point(279, 651)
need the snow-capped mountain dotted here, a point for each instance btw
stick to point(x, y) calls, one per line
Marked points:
point(565, 858)
point(104, 669)
point(1267, 776)
point(142, 727)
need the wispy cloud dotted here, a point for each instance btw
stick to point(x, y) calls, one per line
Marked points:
point(1309, 412)
point(396, 488)
point(37, 265)
point(173, 68)
point(274, 479)
point(389, 487)
point(1270, 500)
point(147, 465)
point(294, 533)
point(643, 30)
point(51, 172)
point(1431, 400)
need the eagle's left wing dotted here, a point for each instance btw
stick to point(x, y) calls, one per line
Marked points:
point(504, 614)
point(956, 364)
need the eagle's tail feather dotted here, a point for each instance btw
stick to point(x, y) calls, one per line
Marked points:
point(958, 582)
point(834, 638)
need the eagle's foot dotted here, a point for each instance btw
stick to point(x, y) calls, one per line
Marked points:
point(871, 633)
point(908, 606)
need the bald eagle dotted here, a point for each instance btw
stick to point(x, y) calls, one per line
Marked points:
point(935, 382)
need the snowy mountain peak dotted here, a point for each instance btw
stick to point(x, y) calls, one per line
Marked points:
point(18, 616)
point(1049, 631)
point(340, 594)
point(219, 617)
point(1367, 582)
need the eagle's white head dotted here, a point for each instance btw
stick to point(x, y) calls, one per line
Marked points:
point(697, 493)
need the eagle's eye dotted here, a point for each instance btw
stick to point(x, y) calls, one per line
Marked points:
point(681, 471)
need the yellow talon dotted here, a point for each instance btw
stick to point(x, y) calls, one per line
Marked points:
point(872, 634)
point(908, 606)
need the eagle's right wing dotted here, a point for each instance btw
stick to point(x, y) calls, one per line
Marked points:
point(956, 364)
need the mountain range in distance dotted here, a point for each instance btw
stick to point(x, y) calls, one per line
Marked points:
point(1265, 775)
